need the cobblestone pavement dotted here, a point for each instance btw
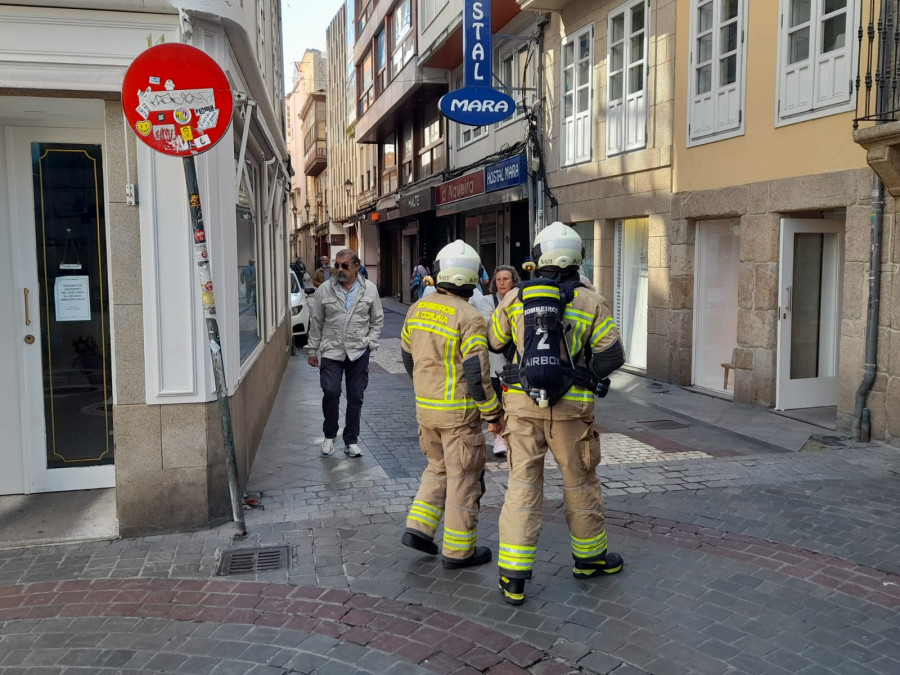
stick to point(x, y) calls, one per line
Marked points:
point(742, 556)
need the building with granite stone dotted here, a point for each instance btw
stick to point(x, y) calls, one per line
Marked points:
point(109, 381)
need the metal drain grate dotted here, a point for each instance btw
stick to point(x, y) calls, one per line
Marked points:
point(662, 424)
point(252, 560)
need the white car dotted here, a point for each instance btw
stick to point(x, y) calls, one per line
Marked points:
point(299, 310)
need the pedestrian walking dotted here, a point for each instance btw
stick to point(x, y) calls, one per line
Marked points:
point(323, 273)
point(444, 348)
point(417, 281)
point(566, 344)
point(502, 282)
point(345, 322)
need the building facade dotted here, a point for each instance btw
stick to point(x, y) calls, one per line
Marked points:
point(111, 381)
point(730, 236)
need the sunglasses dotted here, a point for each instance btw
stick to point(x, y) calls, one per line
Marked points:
point(345, 266)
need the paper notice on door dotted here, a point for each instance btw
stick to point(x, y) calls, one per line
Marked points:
point(73, 299)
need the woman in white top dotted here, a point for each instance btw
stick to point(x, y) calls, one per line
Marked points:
point(504, 280)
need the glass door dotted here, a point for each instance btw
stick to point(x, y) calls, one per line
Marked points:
point(59, 216)
point(808, 313)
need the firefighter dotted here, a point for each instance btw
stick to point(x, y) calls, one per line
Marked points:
point(445, 351)
point(590, 341)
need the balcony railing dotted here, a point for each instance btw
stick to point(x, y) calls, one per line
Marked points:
point(878, 77)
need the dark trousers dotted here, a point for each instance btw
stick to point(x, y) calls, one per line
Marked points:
point(357, 373)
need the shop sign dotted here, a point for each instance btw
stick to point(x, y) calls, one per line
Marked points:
point(459, 188)
point(509, 172)
point(477, 103)
point(338, 239)
point(416, 202)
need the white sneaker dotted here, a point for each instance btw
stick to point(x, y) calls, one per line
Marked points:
point(500, 446)
point(327, 446)
point(353, 450)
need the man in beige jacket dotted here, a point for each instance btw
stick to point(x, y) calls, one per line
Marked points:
point(345, 321)
point(445, 351)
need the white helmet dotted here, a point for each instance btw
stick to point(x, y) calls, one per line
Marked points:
point(456, 266)
point(557, 245)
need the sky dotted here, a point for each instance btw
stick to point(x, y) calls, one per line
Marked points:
point(303, 26)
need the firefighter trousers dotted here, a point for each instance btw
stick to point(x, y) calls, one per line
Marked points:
point(451, 486)
point(576, 448)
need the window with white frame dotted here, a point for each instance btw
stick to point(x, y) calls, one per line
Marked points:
point(815, 58)
point(717, 70)
point(577, 97)
point(626, 92)
point(468, 134)
point(516, 72)
point(428, 9)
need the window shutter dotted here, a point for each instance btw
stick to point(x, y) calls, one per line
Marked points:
point(832, 78)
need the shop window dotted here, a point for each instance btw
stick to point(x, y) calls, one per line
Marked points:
point(249, 249)
point(586, 231)
point(630, 293)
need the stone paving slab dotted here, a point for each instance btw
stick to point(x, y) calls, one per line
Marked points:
point(741, 557)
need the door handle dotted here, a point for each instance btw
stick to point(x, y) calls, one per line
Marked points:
point(789, 298)
point(27, 315)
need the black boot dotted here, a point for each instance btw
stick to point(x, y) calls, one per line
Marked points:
point(419, 542)
point(610, 563)
point(480, 556)
point(513, 590)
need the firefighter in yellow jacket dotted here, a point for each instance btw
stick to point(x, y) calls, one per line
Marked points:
point(445, 351)
point(589, 341)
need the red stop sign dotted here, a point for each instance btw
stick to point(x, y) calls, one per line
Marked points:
point(177, 99)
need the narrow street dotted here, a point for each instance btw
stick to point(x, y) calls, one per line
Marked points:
point(743, 555)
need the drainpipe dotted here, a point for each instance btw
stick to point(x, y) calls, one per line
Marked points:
point(861, 415)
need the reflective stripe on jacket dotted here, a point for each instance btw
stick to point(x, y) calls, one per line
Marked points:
point(441, 333)
point(589, 328)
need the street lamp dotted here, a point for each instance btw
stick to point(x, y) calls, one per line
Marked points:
point(306, 208)
point(348, 186)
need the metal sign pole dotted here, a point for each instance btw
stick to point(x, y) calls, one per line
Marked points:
point(215, 347)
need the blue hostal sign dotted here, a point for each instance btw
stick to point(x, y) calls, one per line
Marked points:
point(509, 172)
point(477, 103)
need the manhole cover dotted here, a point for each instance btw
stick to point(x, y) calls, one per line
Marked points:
point(662, 424)
point(252, 560)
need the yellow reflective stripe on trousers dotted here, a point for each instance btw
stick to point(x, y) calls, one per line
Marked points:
point(601, 331)
point(473, 341)
point(459, 540)
point(514, 557)
point(425, 513)
point(589, 548)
